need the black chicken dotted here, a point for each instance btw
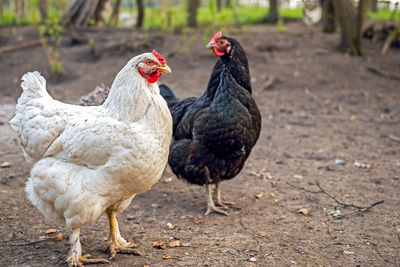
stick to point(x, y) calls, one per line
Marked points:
point(214, 134)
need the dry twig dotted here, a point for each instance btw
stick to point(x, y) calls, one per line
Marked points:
point(344, 204)
point(383, 74)
point(14, 47)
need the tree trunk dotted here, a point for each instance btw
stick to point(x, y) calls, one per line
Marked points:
point(351, 24)
point(363, 7)
point(98, 13)
point(219, 5)
point(273, 16)
point(80, 12)
point(192, 12)
point(140, 17)
point(18, 11)
point(228, 3)
point(374, 6)
point(43, 10)
point(328, 16)
point(1, 8)
point(115, 13)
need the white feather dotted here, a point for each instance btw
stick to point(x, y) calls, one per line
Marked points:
point(86, 159)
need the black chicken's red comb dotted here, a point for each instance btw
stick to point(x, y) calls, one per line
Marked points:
point(216, 36)
point(159, 57)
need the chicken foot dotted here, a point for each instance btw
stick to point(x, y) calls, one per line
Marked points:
point(220, 202)
point(211, 205)
point(75, 258)
point(117, 243)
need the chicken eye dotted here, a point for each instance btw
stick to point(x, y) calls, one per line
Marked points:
point(149, 62)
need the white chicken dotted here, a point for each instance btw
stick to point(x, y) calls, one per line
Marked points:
point(91, 160)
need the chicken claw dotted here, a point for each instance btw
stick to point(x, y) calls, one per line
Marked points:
point(75, 259)
point(85, 259)
point(113, 249)
point(117, 243)
point(220, 202)
point(210, 204)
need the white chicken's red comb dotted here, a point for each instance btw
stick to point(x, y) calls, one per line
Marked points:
point(159, 57)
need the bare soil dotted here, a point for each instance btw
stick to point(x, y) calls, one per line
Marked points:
point(323, 106)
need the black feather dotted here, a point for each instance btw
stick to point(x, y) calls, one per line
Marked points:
point(215, 132)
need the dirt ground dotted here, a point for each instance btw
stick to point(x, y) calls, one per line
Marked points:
point(323, 107)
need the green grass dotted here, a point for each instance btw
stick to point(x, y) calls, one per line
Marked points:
point(176, 16)
point(292, 13)
point(383, 14)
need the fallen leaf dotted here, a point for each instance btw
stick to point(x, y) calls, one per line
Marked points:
point(56, 237)
point(259, 195)
point(303, 211)
point(5, 164)
point(166, 257)
point(197, 220)
point(263, 174)
point(260, 235)
point(352, 118)
point(272, 195)
point(174, 244)
point(335, 213)
point(159, 244)
point(51, 231)
point(171, 226)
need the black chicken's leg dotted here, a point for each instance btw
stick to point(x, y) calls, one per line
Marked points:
point(220, 202)
point(210, 203)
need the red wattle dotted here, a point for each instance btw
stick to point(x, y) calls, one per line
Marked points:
point(218, 52)
point(154, 77)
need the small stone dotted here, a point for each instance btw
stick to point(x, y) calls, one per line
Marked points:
point(298, 176)
point(252, 259)
point(339, 162)
point(346, 252)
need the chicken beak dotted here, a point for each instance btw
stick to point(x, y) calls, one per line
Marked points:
point(211, 45)
point(164, 68)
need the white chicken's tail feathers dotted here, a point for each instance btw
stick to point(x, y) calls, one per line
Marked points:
point(34, 82)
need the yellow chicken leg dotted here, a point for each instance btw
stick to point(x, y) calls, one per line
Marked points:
point(117, 243)
point(75, 258)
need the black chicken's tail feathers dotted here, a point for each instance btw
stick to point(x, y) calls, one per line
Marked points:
point(167, 93)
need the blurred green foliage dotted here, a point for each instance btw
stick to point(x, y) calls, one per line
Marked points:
point(173, 17)
point(384, 14)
